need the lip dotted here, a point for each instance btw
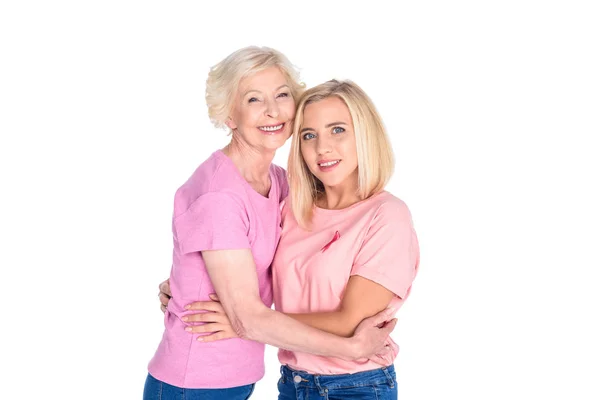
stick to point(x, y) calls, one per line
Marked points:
point(271, 133)
point(327, 168)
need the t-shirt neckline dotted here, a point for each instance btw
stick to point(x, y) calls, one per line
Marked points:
point(245, 182)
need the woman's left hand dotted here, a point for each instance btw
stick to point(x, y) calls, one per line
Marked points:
point(215, 321)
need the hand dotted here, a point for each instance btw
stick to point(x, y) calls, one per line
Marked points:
point(386, 358)
point(164, 294)
point(215, 320)
point(371, 335)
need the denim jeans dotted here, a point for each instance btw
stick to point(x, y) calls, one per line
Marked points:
point(158, 390)
point(374, 384)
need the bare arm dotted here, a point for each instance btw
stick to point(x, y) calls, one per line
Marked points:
point(233, 275)
point(362, 299)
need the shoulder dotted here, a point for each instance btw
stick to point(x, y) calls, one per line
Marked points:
point(387, 208)
point(280, 173)
point(214, 179)
point(282, 182)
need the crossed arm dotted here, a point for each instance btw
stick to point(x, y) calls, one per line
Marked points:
point(233, 275)
point(362, 299)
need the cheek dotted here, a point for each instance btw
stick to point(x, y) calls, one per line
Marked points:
point(350, 147)
point(250, 115)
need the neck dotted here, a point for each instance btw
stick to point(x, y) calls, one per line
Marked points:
point(341, 196)
point(252, 164)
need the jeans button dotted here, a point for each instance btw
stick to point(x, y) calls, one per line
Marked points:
point(297, 379)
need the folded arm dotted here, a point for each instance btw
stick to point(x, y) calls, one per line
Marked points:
point(363, 298)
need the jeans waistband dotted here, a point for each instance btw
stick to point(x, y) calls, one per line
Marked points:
point(386, 375)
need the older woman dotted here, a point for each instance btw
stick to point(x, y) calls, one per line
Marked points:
point(226, 226)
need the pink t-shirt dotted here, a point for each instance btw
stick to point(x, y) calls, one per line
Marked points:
point(216, 209)
point(373, 238)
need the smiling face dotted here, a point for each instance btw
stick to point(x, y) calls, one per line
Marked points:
point(328, 143)
point(263, 110)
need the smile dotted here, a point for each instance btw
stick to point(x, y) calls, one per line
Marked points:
point(325, 166)
point(271, 128)
point(328, 163)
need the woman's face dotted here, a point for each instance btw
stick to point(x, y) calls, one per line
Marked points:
point(328, 143)
point(263, 110)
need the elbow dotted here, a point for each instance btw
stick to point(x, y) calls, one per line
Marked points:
point(240, 327)
point(348, 324)
point(347, 330)
point(245, 323)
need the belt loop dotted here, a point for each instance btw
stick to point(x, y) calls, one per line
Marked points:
point(322, 391)
point(388, 376)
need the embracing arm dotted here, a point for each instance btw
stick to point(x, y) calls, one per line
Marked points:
point(233, 275)
point(363, 298)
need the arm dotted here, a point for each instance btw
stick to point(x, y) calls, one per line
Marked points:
point(362, 299)
point(233, 275)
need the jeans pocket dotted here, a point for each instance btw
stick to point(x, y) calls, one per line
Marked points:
point(385, 391)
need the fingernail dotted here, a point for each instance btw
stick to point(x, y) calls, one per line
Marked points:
point(188, 329)
point(188, 307)
point(200, 339)
point(391, 309)
point(184, 319)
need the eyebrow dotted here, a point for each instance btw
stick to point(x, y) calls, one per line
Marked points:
point(258, 91)
point(326, 126)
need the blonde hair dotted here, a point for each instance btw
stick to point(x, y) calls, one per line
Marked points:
point(224, 78)
point(373, 148)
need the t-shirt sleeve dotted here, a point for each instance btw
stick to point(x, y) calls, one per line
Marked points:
point(215, 221)
point(389, 254)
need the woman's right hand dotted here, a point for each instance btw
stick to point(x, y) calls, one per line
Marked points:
point(386, 358)
point(164, 294)
point(371, 337)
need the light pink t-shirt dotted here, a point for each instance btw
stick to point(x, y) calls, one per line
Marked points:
point(216, 209)
point(374, 238)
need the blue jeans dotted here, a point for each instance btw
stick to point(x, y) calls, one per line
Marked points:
point(374, 384)
point(158, 390)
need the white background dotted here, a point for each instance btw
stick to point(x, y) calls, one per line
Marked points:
point(494, 113)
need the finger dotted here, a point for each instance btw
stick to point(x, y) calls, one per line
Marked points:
point(214, 297)
point(204, 317)
point(389, 327)
point(206, 328)
point(164, 299)
point(384, 350)
point(163, 308)
point(165, 288)
point(205, 305)
point(217, 336)
point(383, 316)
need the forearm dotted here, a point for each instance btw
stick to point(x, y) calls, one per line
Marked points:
point(334, 322)
point(277, 329)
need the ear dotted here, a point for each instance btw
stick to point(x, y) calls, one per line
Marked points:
point(230, 124)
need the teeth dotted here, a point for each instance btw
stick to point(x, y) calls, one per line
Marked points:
point(270, 128)
point(328, 164)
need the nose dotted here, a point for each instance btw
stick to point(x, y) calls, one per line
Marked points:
point(272, 109)
point(323, 145)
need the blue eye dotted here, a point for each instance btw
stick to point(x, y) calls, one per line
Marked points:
point(308, 136)
point(338, 129)
point(252, 99)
